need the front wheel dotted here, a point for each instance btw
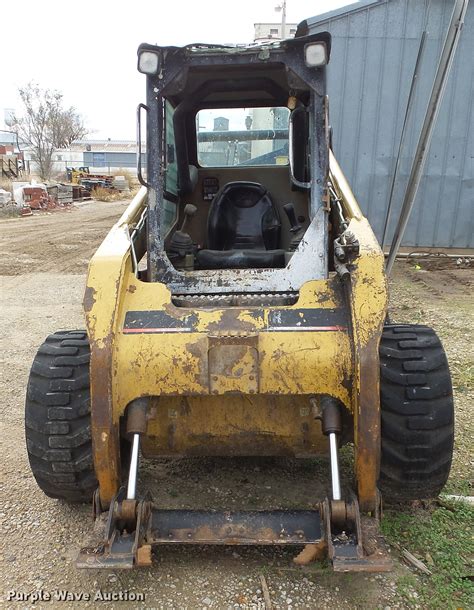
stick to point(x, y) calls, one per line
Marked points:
point(417, 413)
point(57, 418)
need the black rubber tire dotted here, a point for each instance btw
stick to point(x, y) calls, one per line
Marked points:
point(417, 413)
point(57, 418)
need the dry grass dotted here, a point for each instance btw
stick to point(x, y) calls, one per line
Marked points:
point(6, 184)
point(131, 178)
point(133, 190)
point(102, 194)
point(9, 210)
point(127, 174)
point(59, 176)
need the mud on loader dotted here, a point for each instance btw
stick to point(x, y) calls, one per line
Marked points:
point(239, 308)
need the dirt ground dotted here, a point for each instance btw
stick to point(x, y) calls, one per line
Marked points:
point(42, 273)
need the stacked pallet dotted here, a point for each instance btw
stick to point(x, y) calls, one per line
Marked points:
point(95, 180)
point(64, 194)
point(53, 190)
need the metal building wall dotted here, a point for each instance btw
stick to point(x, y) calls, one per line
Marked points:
point(125, 160)
point(374, 49)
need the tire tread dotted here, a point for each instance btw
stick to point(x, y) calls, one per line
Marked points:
point(417, 413)
point(57, 418)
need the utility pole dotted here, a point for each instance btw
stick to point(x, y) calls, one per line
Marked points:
point(282, 7)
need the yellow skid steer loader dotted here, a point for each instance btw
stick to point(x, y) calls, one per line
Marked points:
point(239, 308)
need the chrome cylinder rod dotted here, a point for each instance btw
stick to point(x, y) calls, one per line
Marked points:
point(133, 473)
point(335, 480)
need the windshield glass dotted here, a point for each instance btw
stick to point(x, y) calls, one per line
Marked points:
point(242, 136)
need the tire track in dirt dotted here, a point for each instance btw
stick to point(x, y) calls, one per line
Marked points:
point(62, 241)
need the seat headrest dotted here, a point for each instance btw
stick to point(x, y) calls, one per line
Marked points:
point(243, 194)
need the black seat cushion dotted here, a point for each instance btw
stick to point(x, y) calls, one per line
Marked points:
point(242, 220)
point(242, 216)
point(240, 259)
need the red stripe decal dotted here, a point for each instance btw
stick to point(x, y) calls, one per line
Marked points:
point(131, 331)
point(151, 331)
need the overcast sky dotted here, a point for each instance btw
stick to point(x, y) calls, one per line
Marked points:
point(87, 49)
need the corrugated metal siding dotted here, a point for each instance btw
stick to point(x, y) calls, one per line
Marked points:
point(373, 55)
point(111, 159)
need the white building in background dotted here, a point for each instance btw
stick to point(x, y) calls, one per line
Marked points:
point(261, 117)
point(7, 136)
point(266, 32)
point(100, 156)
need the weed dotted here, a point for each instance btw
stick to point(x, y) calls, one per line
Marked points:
point(458, 486)
point(442, 537)
point(127, 174)
point(406, 587)
point(463, 376)
point(103, 194)
point(6, 184)
point(10, 211)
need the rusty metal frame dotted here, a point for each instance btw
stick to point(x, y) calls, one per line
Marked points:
point(123, 536)
point(101, 331)
point(367, 277)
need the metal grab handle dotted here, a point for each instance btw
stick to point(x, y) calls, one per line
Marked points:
point(296, 182)
point(141, 180)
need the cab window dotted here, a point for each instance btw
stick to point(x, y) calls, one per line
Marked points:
point(242, 136)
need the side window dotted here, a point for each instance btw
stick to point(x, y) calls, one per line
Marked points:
point(170, 207)
point(171, 177)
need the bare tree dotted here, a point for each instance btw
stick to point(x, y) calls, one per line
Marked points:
point(46, 125)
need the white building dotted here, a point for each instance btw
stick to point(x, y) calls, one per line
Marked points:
point(266, 32)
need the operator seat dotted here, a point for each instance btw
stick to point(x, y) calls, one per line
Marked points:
point(243, 229)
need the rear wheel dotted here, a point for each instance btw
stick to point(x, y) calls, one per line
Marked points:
point(57, 418)
point(417, 413)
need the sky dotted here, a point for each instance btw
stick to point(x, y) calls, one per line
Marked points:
point(87, 50)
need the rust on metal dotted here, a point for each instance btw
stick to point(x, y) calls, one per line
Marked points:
point(355, 545)
point(144, 558)
point(126, 510)
point(233, 364)
point(312, 552)
point(276, 527)
point(368, 426)
point(233, 424)
point(105, 435)
point(137, 419)
point(89, 298)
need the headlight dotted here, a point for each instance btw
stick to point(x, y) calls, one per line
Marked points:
point(315, 54)
point(148, 62)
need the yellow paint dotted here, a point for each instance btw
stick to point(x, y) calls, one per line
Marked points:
point(238, 425)
point(233, 368)
point(230, 353)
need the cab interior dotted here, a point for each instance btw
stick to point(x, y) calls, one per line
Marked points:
point(230, 198)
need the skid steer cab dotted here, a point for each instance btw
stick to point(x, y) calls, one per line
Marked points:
point(238, 308)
